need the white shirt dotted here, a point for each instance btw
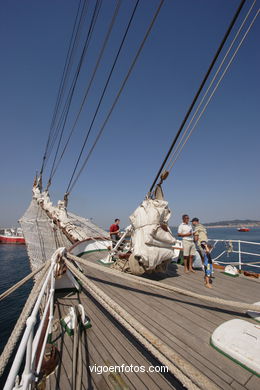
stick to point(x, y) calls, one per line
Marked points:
point(185, 228)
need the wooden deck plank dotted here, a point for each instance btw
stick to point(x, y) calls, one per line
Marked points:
point(94, 354)
point(236, 386)
point(63, 381)
point(170, 337)
point(245, 289)
point(101, 346)
point(180, 321)
point(218, 359)
point(133, 356)
point(234, 294)
point(253, 383)
point(214, 312)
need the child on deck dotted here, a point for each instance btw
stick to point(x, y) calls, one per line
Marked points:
point(208, 268)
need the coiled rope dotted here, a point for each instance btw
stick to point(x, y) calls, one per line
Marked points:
point(167, 287)
point(179, 367)
point(7, 352)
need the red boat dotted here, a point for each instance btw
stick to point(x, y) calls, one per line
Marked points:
point(11, 236)
point(243, 229)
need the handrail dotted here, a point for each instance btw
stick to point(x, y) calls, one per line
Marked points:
point(240, 252)
point(29, 343)
point(242, 242)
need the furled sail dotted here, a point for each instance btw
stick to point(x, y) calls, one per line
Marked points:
point(152, 240)
point(47, 227)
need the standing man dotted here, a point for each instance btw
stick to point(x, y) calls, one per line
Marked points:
point(189, 250)
point(200, 234)
point(114, 231)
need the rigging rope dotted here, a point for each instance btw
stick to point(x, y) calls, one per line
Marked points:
point(67, 106)
point(54, 169)
point(103, 92)
point(63, 78)
point(178, 366)
point(180, 147)
point(199, 91)
point(69, 61)
point(71, 186)
point(9, 347)
point(163, 286)
point(21, 282)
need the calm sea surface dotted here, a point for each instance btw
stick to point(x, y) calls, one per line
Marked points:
point(14, 265)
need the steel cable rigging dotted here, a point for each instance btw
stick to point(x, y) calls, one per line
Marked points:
point(69, 61)
point(67, 105)
point(55, 167)
point(216, 56)
point(103, 92)
point(66, 69)
point(183, 141)
point(71, 186)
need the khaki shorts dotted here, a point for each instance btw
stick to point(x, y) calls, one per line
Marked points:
point(189, 248)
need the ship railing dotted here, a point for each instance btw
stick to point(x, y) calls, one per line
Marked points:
point(241, 262)
point(30, 343)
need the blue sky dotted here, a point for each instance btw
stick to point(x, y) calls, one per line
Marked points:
point(217, 174)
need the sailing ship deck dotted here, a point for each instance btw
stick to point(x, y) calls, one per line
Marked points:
point(181, 322)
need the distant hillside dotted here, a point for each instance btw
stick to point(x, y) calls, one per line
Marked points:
point(234, 222)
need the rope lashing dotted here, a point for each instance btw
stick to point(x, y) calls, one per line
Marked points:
point(22, 282)
point(179, 367)
point(164, 176)
point(8, 350)
point(167, 287)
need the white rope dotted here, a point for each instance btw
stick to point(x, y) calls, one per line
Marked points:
point(179, 367)
point(4, 358)
point(221, 254)
point(21, 282)
point(179, 148)
point(163, 286)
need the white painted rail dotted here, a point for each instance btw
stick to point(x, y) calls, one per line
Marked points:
point(241, 261)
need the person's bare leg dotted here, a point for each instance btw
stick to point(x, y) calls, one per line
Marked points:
point(207, 284)
point(186, 268)
point(190, 264)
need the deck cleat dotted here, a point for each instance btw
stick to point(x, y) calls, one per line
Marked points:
point(75, 316)
point(68, 322)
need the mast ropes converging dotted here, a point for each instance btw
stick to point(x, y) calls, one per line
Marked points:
point(172, 153)
point(183, 141)
point(61, 122)
point(74, 40)
point(60, 115)
point(67, 105)
point(72, 184)
point(55, 167)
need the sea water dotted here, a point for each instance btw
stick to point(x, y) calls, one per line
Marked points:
point(230, 246)
point(14, 265)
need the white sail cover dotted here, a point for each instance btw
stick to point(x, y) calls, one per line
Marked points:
point(152, 239)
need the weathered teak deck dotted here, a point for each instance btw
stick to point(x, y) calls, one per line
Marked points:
point(182, 322)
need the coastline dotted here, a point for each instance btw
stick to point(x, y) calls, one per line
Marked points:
point(235, 226)
point(231, 226)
